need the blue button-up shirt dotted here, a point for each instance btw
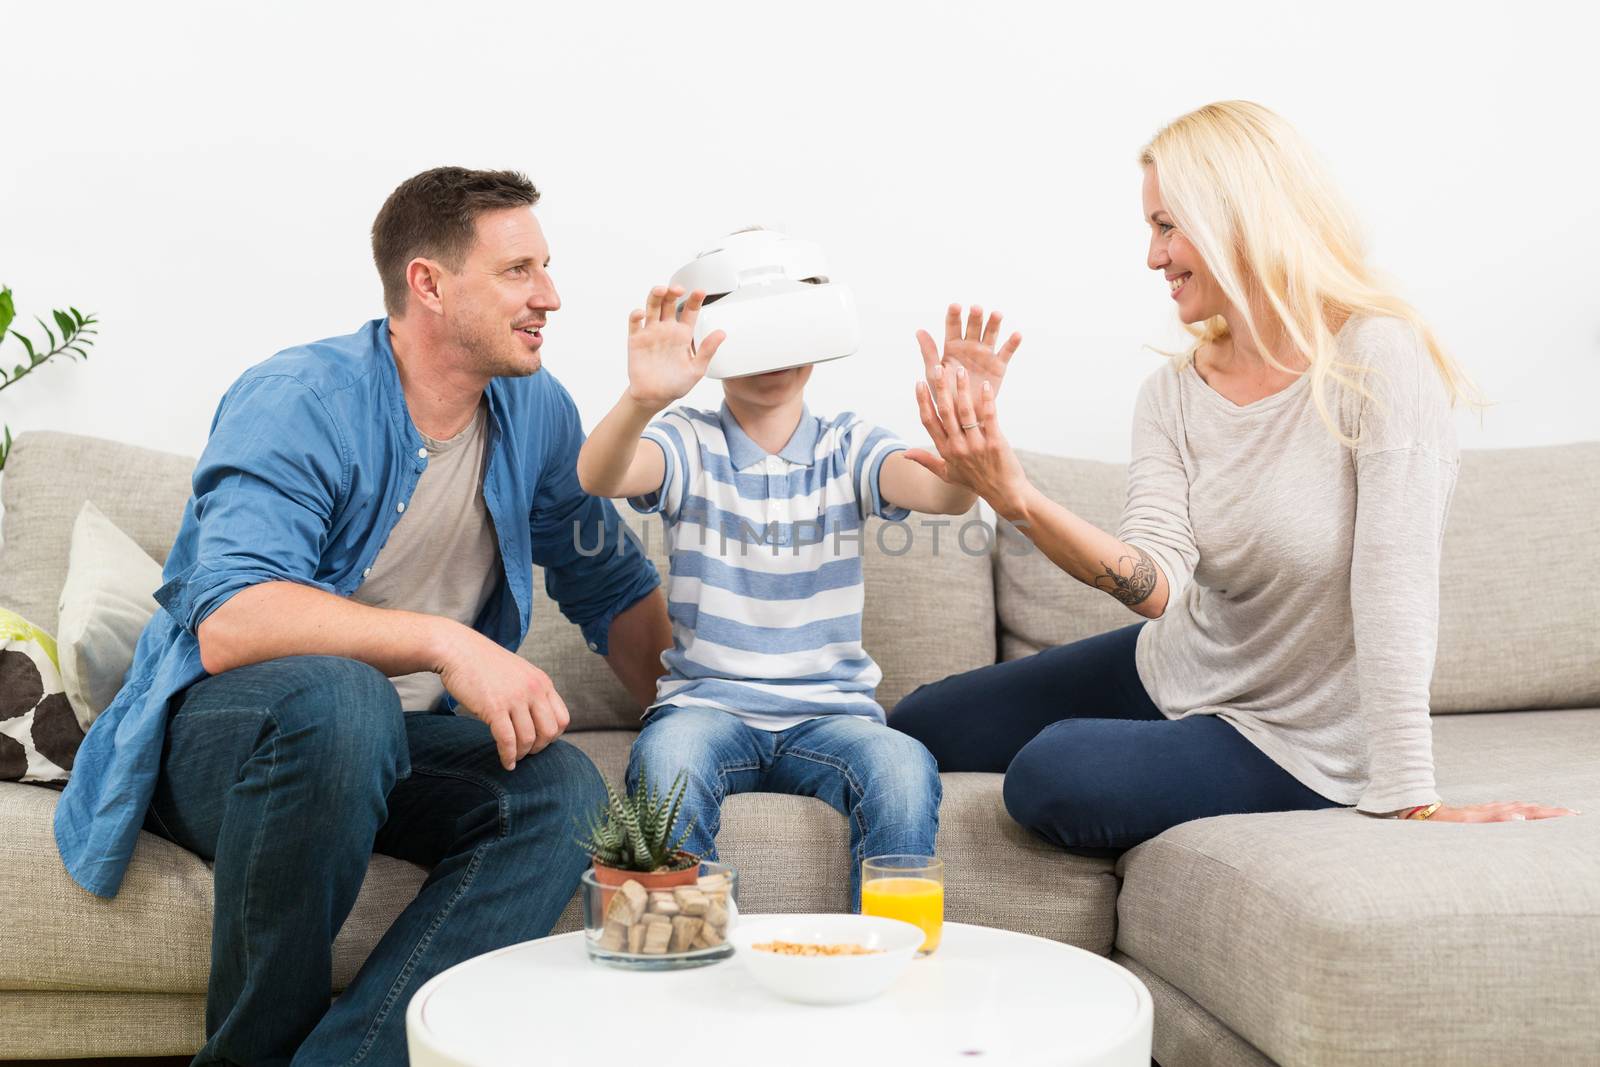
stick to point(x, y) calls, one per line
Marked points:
point(311, 456)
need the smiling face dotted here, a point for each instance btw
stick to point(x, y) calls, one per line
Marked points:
point(496, 304)
point(1192, 284)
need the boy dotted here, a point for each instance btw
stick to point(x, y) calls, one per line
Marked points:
point(767, 685)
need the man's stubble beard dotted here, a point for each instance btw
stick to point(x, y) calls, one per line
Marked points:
point(494, 355)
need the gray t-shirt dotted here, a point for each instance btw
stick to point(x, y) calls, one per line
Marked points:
point(442, 557)
point(1304, 575)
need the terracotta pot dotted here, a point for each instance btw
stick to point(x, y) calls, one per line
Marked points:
point(651, 880)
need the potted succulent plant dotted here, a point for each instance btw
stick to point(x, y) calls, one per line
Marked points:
point(630, 837)
point(646, 896)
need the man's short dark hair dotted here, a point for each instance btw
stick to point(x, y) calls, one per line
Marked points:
point(435, 214)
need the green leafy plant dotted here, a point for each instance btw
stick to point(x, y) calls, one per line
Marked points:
point(633, 831)
point(77, 337)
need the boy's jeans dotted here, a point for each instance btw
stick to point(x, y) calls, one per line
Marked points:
point(288, 774)
point(883, 782)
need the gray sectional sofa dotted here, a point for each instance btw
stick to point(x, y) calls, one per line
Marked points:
point(1300, 938)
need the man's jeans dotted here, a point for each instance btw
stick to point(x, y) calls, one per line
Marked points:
point(288, 775)
point(883, 782)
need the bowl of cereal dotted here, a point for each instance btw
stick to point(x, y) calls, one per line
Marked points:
point(826, 959)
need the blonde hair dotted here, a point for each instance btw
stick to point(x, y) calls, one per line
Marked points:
point(1250, 195)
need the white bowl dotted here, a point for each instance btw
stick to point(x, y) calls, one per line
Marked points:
point(827, 979)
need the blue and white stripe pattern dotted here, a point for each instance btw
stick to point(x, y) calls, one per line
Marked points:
point(764, 586)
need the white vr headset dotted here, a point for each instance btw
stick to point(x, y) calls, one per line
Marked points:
point(771, 295)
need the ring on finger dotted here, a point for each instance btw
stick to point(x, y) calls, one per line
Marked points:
point(969, 425)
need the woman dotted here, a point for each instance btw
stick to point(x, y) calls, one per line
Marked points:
point(1287, 494)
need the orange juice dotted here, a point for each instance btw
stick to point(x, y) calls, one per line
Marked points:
point(913, 900)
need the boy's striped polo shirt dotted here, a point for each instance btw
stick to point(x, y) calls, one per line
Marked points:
point(765, 583)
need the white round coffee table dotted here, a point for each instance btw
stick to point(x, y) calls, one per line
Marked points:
point(987, 996)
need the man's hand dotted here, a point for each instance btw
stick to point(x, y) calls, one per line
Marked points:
point(511, 695)
point(663, 364)
point(972, 349)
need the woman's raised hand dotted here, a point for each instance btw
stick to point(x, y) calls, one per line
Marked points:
point(972, 452)
point(663, 363)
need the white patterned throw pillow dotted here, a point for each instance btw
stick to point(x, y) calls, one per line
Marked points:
point(108, 598)
point(39, 735)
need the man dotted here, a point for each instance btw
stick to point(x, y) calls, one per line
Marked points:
point(334, 671)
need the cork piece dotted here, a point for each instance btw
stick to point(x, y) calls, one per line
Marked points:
point(713, 883)
point(691, 901)
point(614, 937)
point(657, 936)
point(628, 903)
point(684, 931)
point(636, 937)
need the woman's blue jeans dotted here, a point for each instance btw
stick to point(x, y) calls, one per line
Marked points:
point(883, 782)
point(1090, 762)
point(288, 775)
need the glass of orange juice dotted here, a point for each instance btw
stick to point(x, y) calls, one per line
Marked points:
point(910, 888)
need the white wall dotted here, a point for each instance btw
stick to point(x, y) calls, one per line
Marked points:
point(204, 175)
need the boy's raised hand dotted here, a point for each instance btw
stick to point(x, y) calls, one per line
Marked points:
point(663, 362)
point(972, 347)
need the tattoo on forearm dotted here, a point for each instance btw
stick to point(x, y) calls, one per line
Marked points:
point(1132, 581)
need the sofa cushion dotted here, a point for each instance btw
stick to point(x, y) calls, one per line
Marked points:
point(1038, 604)
point(1501, 647)
point(594, 697)
point(929, 612)
point(1506, 642)
point(1184, 1031)
point(47, 480)
point(154, 936)
point(1332, 938)
point(80, 1026)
